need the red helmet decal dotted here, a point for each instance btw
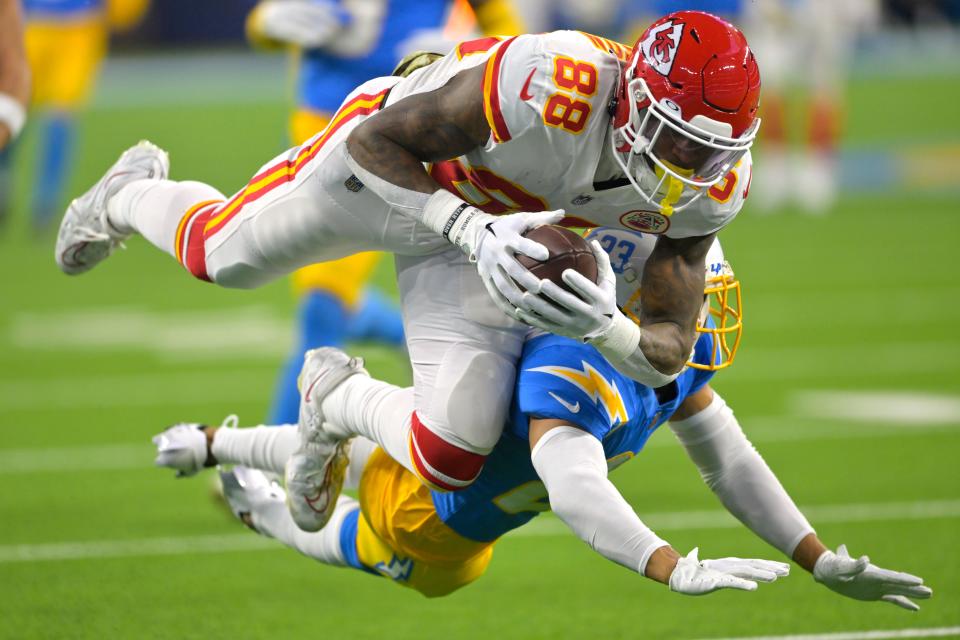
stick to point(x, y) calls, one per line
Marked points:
point(660, 46)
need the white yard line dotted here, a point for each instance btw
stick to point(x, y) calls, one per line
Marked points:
point(83, 458)
point(135, 390)
point(544, 526)
point(126, 548)
point(878, 634)
point(901, 407)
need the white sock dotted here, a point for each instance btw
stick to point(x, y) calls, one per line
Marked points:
point(271, 518)
point(267, 448)
point(378, 411)
point(154, 208)
point(264, 448)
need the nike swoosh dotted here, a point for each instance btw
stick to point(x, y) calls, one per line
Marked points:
point(524, 93)
point(572, 408)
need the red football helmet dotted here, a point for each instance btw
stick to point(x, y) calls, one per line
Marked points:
point(686, 106)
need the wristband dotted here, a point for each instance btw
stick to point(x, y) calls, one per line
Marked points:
point(13, 114)
point(451, 217)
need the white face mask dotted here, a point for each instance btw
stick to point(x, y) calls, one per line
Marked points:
point(659, 139)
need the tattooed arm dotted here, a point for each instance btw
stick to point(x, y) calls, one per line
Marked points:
point(425, 127)
point(387, 151)
point(671, 295)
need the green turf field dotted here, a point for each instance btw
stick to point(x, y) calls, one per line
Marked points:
point(845, 314)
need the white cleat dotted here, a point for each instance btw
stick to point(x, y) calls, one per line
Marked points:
point(247, 490)
point(314, 473)
point(183, 447)
point(86, 237)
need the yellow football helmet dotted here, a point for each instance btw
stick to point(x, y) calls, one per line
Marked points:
point(722, 313)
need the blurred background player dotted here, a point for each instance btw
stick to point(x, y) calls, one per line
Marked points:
point(807, 44)
point(14, 75)
point(336, 47)
point(66, 41)
point(805, 48)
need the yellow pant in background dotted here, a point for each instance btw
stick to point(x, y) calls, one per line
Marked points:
point(64, 59)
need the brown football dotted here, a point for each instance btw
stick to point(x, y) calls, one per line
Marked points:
point(568, 250)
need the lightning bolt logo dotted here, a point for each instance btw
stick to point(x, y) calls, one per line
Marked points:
point(591, 382)
point(398, 570)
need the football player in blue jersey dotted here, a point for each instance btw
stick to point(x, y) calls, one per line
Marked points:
point(339, 44)
point(574, 418)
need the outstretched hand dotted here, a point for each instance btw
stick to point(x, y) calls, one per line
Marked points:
point(695, 577)
point(858, 579)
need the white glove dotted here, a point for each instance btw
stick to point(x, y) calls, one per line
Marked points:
point(695, 578)
point(749, 568)
point(495, 242)
point(860, 580)
point(305, 23)
point(585, 315)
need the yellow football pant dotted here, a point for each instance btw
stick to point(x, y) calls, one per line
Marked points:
point(401, 536)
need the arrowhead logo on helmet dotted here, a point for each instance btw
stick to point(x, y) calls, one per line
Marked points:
point(686, 108)
point(660, 46)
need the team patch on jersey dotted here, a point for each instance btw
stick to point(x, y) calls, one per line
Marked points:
point(645, 221)
point(602, 391)
point(660, 46)
point(353, 184)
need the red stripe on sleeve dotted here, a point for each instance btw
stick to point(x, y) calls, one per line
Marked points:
point(291, 168)
point(491, 93)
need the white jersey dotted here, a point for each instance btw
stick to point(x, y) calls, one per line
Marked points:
point(546, 99)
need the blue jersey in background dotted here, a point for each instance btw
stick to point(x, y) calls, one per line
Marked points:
point(325, 79)
point(61, 7)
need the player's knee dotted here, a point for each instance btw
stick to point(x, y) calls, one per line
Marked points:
point(441, 464)
point(238, 276)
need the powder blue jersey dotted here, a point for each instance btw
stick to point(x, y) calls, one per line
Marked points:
point(61, 7)
point(564, 379)
point(325, 80)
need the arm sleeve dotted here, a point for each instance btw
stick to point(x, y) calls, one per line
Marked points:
point(573, 467)
point(735, 472)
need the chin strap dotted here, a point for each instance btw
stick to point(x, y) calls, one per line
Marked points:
point(673, 189)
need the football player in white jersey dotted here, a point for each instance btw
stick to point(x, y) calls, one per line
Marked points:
point(497, 137)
